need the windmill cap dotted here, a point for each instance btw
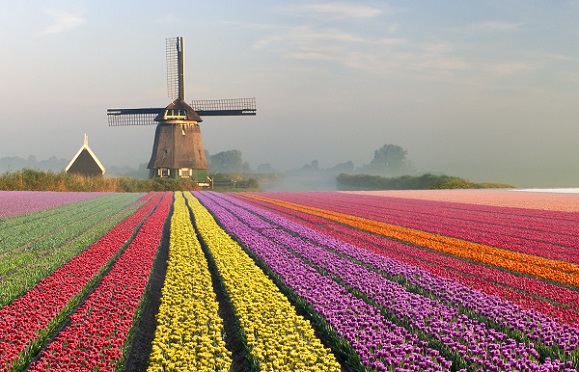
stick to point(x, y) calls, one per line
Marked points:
point(178, 110)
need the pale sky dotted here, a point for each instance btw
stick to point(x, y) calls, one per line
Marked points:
point(486, 90)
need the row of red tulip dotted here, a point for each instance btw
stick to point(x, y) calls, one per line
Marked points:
point(30, 319)
point(548, 298)
point(97, 330)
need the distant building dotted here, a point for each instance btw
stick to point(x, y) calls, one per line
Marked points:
point(85, 162)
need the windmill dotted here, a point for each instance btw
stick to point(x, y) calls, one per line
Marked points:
point(177, 148)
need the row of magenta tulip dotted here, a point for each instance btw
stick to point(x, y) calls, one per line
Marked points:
point(562, 272)
point(30, 254)
point(31, 319)
point(20, 202)
point(547, 298)
point(277, 338)
point(97, 331)
point(378, 343)
point(549, 234)
point(440, 318)
point(194, 342)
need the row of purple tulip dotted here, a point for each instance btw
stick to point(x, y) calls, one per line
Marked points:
point(379, 343)
point(471, 339)
point(550, 234)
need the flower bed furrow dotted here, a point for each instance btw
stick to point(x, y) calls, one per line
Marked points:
point(277, 337)
point(559, 271)
point(527, 292)
point(195, 342)
point(551, 235)
point(98, 329)
point(30, 319)
point(379, 343)
point(422, 313)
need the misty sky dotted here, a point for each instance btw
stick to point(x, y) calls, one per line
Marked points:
point(486, 90)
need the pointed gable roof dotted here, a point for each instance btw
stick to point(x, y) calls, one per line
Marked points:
point(85, 161)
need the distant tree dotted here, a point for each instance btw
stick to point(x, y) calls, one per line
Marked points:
point(229, 161)
point(347, 167)
point(313, 166)
point(14, 163)
point(389, 159)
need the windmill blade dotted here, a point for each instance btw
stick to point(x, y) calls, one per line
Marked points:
point(175, 74)
point(141, 116)
point(225, 107)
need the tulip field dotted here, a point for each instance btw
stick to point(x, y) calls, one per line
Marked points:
point(446, 280)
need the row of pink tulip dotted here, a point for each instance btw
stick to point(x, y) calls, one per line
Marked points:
point(518, 198)
point(548, 234)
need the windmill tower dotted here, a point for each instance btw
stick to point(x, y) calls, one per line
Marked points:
point(177, 148)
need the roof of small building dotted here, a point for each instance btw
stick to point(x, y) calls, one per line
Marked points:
point(86, 153)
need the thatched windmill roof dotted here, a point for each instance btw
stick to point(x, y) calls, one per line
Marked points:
point(85, 162)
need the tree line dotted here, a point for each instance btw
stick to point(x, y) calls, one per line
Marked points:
point(36, 180)
point(426, 181)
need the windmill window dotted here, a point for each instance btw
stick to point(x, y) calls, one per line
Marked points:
point(164, 172)
point(172, 114)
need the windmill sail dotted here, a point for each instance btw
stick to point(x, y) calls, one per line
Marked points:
point(224, 107)
point(140, 116)
point(175, 74)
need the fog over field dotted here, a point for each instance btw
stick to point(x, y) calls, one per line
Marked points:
point(482, 90)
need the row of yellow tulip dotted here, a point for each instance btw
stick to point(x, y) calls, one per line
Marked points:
point(277, 337)
point(559, 271)
point(189, 331)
